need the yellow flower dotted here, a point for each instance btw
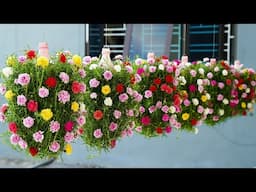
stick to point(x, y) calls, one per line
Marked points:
point(185, 116)
point(77, 60)
point(11, 60)
point(204, 98)
point(46, 114)
point(243, 105)
point(42, 61)
point(9, 95)
point(106, 89)
point(240, 87)
point(75, 106)
point(68, 149)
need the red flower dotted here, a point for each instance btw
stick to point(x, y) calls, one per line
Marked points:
point(3, 108)
point(31, 54)
point(152, 88)
point(164, 57)
point(32, 106)
point(244, 113)
point(120, 88)
point(145, 120)
point(157, 81)
point(63, 58)
point(132, 79)
point(69, 126)
point(168, 79)
point(98, 114)
point(76, 87)
point(168, 90)
point(228, 82)
point(33, 151)
point(193, 122)
point(112, 143)
point(164, 87)
point(159, 130)
point(51, 82)
point(13, 127)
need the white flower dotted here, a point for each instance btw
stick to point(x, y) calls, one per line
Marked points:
point(196, 130)
point(82, 107)
point(225, 101)
point(224, 72)
point(7, 71)
point(117, 68)
point(216, 69)
point(187, 64)
point(93, 66)
point(172, 109)
point(201, 71)
point(208, 96)
point(108, 101)
point(249, 105)
point(206, 59)
point(161, 67)
point(206, 111)
point(182, 80)
point(199, 82)
point(195, 101)
point(221, 112)
point(247, 90)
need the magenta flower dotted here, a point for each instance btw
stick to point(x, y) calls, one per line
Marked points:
point(94, 83)
point(234, 93)
point(148, 94)
point(186, 102)
point(213, 83)
point(69, 126)
point(21, 100)
point(192, 88)
point(23, 79)
point(43, 92)
point(140, 71)
point(165, 109)
point(38, 136)
point(117, 114)
point(54, 126)
point(97, 133)
point(80, 120)
point(107, 75)
point(28, 122)
point(168, 129)
point(165, 117)
point(123, 97)
point(69, 137)
point(64, 77)
point(63, 96)
point(14, 139)
point(113, 126)
point(54, 147)
point(145, 120)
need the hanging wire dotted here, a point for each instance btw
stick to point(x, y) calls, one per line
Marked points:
point(213, 42)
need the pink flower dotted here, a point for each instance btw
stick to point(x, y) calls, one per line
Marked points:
point(200, 109)
point(152, 69)
point(14, 139)
point(186, 102)
point(93, 95)
point(139, 129)
point(234, 93)
point(148, 94)
point(2, 89)
point(28, 122)
point(38, 136)
point(193, 73)
point(64, 77)
point(137, 78)
point(2, 117)
point(220, 97)
point(22, 59)
point(215, 118)
point(43, 92)
point(123, 97)
point(82, 88)
point(168, 129)
point(23, 79)
point(80, 120)
point(210, 111)
point(21, 100)
point(165, 117)
point(192, 88)
point(54, 126)
point(140, 71)
point(151, 60)
point(82, 73)
point(244, 95)
point(151, 109)
point(138, 61)
point(4, 108)
point(200, 88)
point(117, 114)
point(23, 144)
point(165, 109)
point(141, 109)
point(129, 69)
point(113, 126)
point(213, 83)
point(130, 113)
point(63, 96)
point(129, 132)
point(209, 75)
point(69, 126)
point(169, 69)
point(123, 134)
point(107, 75)
point(87, 60)
point(97, 133)
point(221, 85)
point(253, 83)
point(69, 137)
point(145, 120)
point(178, 125)
point(159, 104)
point(54, 147)
point(138, 98)
point(129, 91)
point(94, 83)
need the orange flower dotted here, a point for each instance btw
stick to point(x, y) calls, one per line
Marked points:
point(98, 114)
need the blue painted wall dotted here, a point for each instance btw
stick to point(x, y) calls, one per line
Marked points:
point(231, 144)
